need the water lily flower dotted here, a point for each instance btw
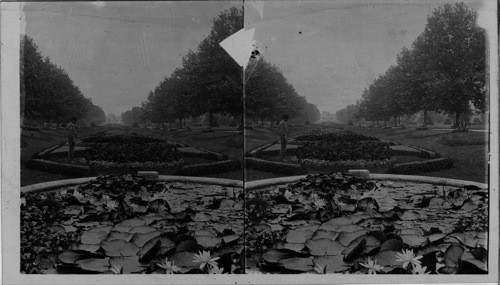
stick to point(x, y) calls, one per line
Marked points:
point(215, 270)
point(314, 197)
point(418, 269)
point(169, 267)
point(23, 201)
point(319, 203)
point(372, 266)
point(288, 195)
point(320, 268)
point(78, 195)
point(205, 258)
point(408, 257)
point(117, 269)
point(112, 205)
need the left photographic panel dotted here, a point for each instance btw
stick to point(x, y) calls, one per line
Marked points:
point(130, 146)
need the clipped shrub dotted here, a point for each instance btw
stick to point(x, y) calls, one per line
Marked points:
point(421, 166)
point(209, 168)
point(273, 166)
point(416, 152)
point(62, 168)
point(344, 136)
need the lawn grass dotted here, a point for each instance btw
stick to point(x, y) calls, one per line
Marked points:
point(468, 150)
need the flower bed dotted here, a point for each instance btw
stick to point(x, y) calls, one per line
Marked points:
point(344, 150)
point(125, 138)
point(343, 136)
point(201, 169)
point(125, 224)
point(421, 166)
point(132, 152)
point(274, 166)
point(339, 224)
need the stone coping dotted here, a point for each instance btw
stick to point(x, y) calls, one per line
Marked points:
point(255, 185)
point(46, 186)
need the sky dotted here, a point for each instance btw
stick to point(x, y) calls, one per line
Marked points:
point(328, 50)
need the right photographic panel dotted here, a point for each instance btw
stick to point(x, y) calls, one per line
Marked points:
point(369, 127)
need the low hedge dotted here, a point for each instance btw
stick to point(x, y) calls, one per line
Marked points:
point(421, 166)
point(209, 168)
point(56, 167)
point(273, 166)
point(267, 153)
point(205, 154)
point(416, 152)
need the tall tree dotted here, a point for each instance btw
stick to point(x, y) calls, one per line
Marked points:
point(456, 61)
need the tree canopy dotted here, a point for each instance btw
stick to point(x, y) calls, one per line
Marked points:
point(210, 81)
point(47, 92)
point(444, 71)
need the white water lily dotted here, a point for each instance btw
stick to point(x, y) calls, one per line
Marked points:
point(288, 195)
point(117, 269)
point(215, 270)
point(320, 268)
point(408, 257)
point(112, 205)
point(169, 267)
point(418, 269)
point(205, 258)
point(319, 203)
point(372, 266)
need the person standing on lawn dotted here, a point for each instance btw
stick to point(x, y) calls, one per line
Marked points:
point(71, 138)
point(283, 129)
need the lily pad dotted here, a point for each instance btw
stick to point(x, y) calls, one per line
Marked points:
point(414, 240)
point(94, 264)
point(301, 234)
point(184, 259)
point(321, 233)
point(166, 244)
point(387, 259)
point(188, 245)
point(129, 264)
point(320, 247)
point(114, 235)
point(142, 229)
point(334, 264)
point(140, 239)
point(345, 238)
point(297, 264)
point(132, 223)
point(208, 241)
point(119, 248)
point(392, 245)
point(275, 255)
point(93, 237)
point(72, 256)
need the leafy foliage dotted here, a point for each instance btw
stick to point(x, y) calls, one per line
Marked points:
point(344, 150)
point(445, 70)
point(119, 152)
point(359, 228)
point(124, 224)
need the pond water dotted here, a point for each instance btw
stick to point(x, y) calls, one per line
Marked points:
point(341, 225)
point(128, 223)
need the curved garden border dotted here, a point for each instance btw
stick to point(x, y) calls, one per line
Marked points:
point(52, 185)
point(221, 163)
point(259, 184)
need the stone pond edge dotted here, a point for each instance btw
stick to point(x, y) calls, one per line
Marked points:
point(255, 185)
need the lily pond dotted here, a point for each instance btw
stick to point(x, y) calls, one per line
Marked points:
point(125, 224)
point(339, 224)
point(324, 223)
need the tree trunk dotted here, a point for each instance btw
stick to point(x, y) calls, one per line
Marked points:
point(210, 119)
point(395, 121)
point(425, 117)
